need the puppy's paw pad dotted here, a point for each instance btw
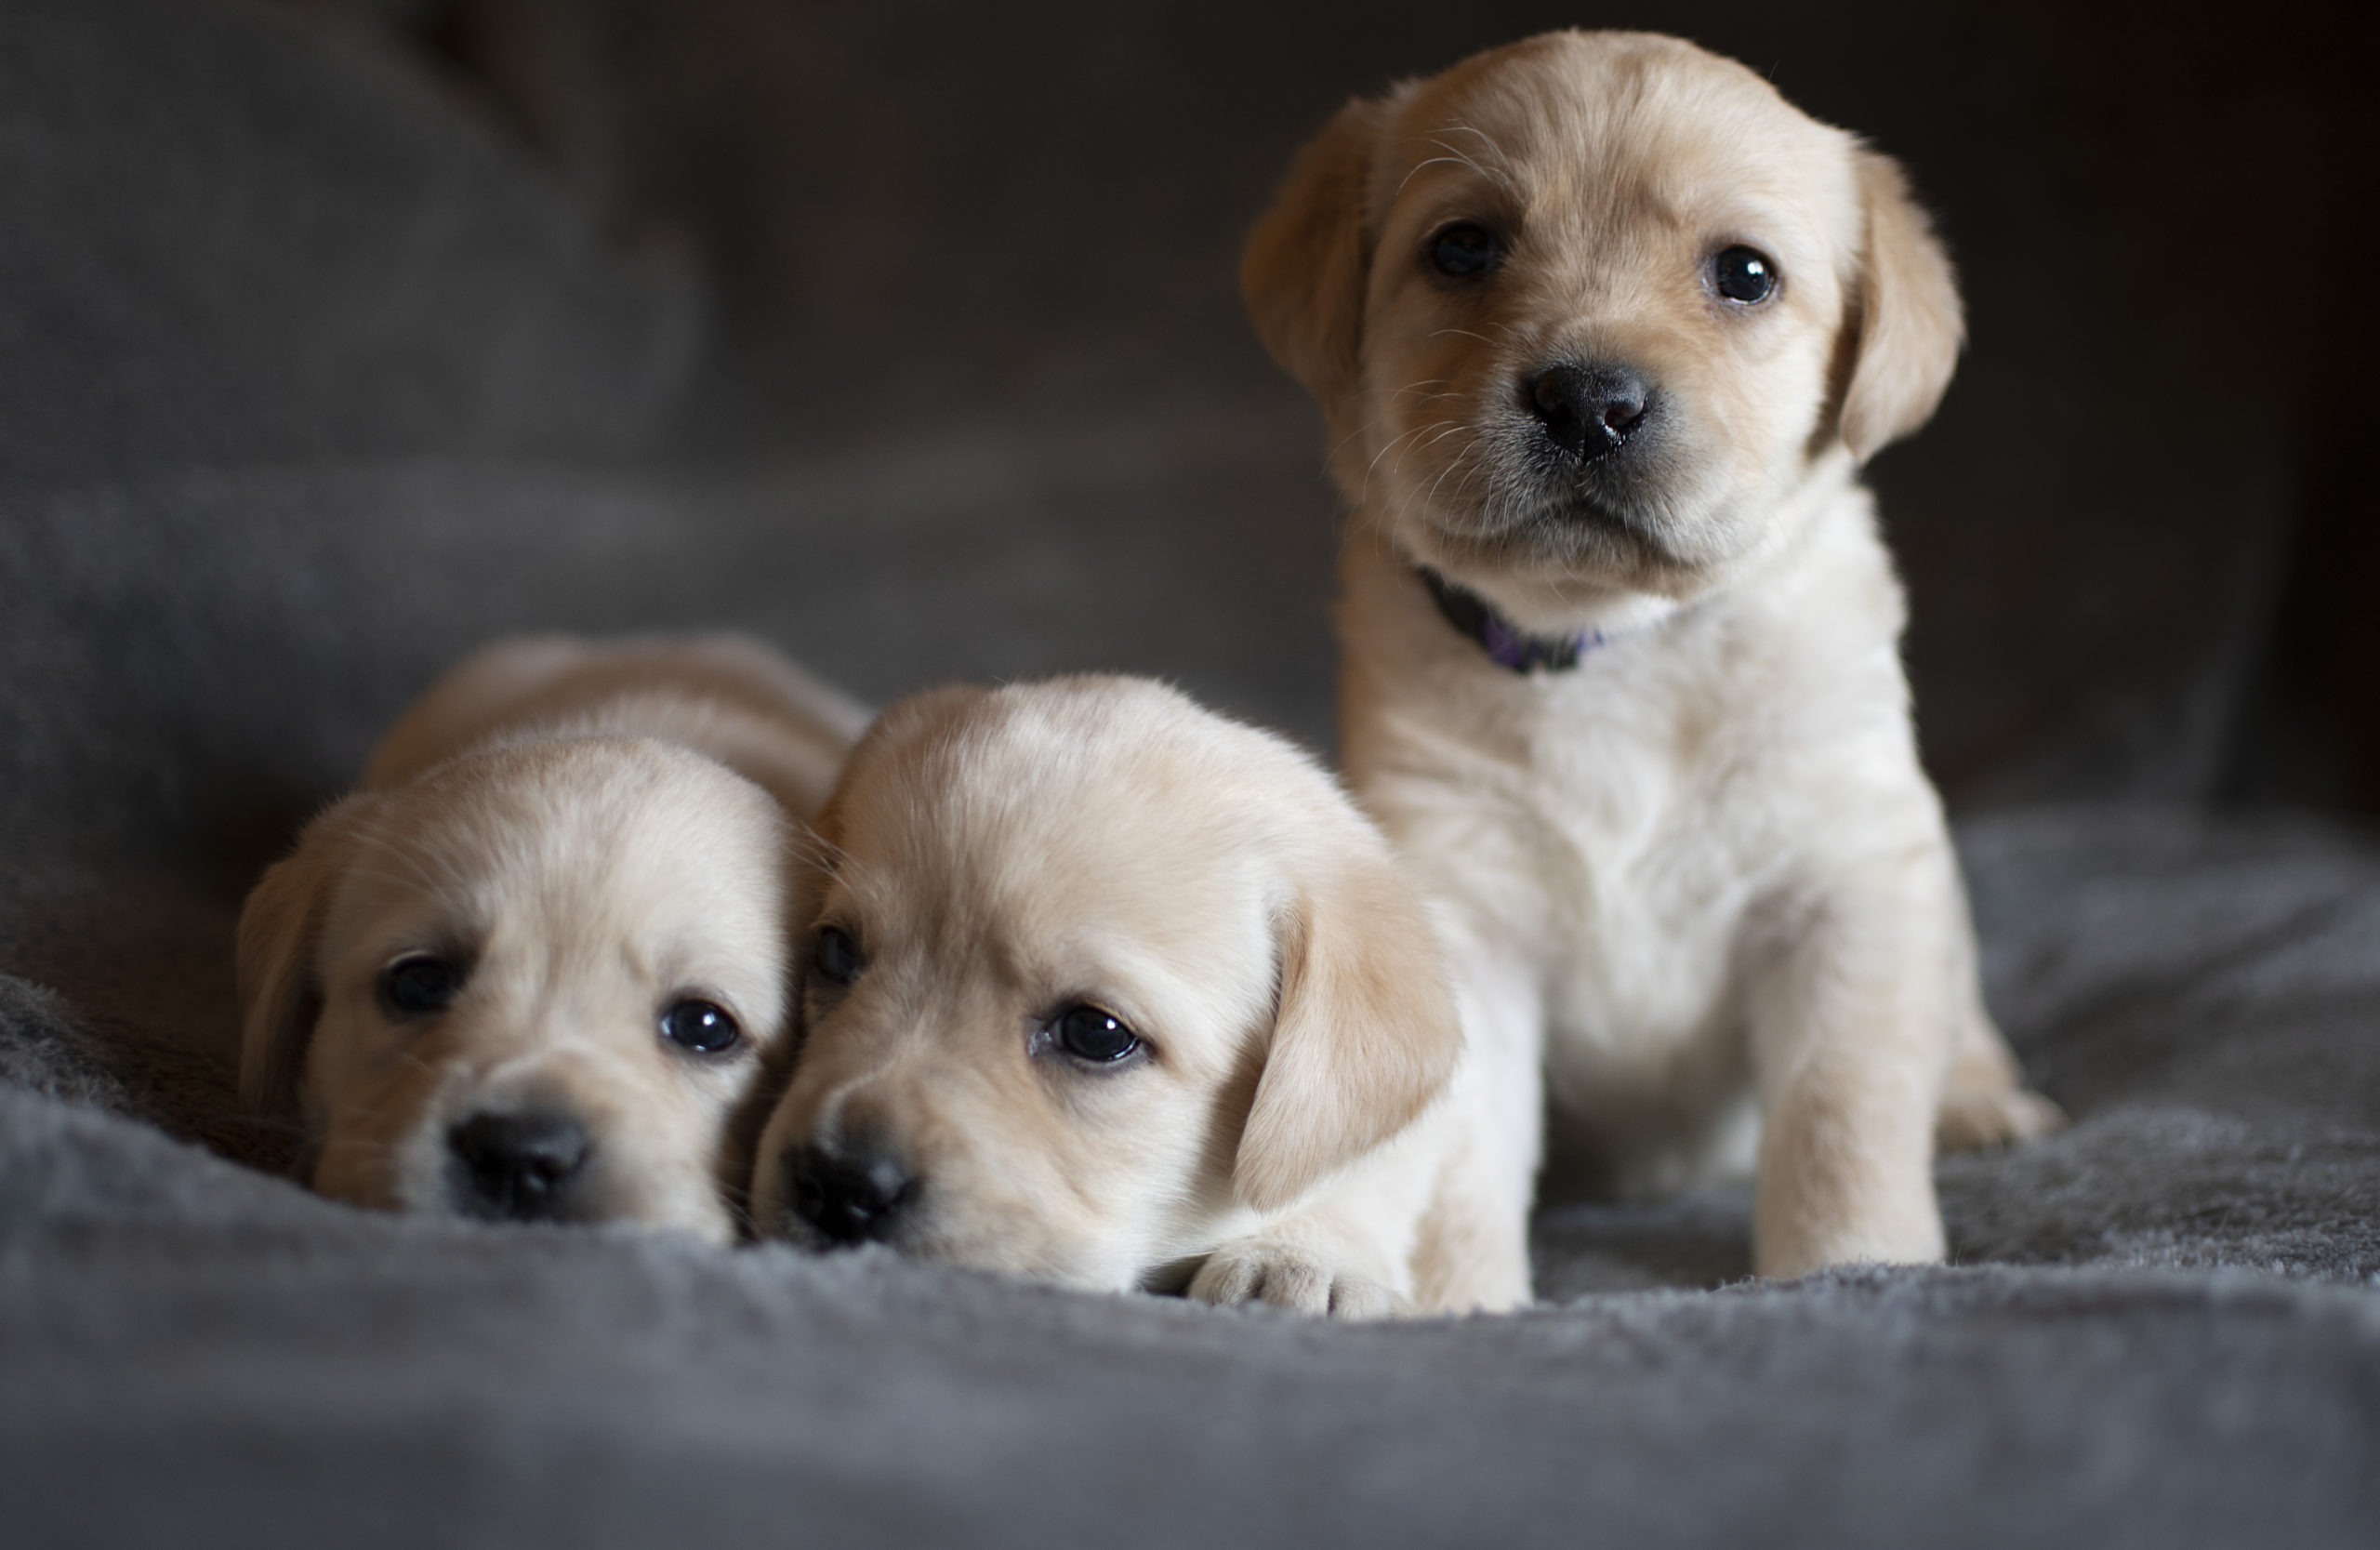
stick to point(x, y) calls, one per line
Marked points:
point(1285, 1278)
point(1995, 1116)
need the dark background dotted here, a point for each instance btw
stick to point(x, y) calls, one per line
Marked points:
point(337, 337)
point(2139, 535)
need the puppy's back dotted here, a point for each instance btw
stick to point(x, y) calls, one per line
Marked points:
point(724, 695)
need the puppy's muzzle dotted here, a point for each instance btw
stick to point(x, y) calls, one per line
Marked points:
point(1588, 412)
point(850, 1196)
point(526, 1167)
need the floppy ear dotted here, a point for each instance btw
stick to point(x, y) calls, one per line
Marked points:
point(1908, 321)
point(280, 928)
point(1302, 272)
point(1363, 1037)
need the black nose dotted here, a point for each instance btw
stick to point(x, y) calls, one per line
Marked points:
point(850, 1195)
point(1588, 411)
point(518, 1166)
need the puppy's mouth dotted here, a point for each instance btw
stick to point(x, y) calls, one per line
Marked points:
point(1532, 506)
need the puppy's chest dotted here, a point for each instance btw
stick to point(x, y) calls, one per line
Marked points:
point(1641, 830)
point(1658, 847)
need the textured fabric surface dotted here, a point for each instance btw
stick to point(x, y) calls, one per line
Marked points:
point(310, 388)
point(2162, 1327)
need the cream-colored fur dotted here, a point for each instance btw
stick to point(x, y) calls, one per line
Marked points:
point(1297, 1108)
point(589, 835)
point(1701, 878)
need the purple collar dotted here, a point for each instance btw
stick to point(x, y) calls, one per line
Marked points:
point(1506, 645)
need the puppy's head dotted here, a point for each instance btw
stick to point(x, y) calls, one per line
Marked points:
point(534, 984)
point(1096, 976)
point(1586, 312)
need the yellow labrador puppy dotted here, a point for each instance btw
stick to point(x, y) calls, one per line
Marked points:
point(1602, 328)
point(532, 969)
point(1107, 989)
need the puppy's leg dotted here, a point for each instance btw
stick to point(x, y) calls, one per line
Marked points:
point(1984, 1101)
point(1851, 1031)
point(1471, 1252)
point(1472, 1256)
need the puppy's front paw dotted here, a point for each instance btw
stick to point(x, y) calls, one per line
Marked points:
point(1286, 1276)
point(1993, 1116)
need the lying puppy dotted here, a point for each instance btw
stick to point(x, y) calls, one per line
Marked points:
point(1603, 329)
point(1107, 989)
point(533, 968)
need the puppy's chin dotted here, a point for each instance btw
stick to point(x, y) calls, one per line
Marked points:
point(1563, 536)
point(1640, 528)
point(1016, 1247)
point(1559, 565)
point(1558, 551)
point(1015, 1255)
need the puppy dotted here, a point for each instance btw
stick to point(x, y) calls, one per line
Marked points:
point(532, 969)
point(1603, 329)
point(1106, 988)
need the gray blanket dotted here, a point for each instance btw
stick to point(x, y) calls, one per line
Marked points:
point(344, 391)
point(2161, 1327)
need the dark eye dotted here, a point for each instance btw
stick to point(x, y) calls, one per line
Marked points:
point(835, 957)
point(703, 1027)
point(1088, 1033)
point(1463, 251)
point(419, 986)
point(1742, 274)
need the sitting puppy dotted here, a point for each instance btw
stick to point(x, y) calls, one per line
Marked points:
point(1107, 989)
point(533, 968)
point(1602, 329)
